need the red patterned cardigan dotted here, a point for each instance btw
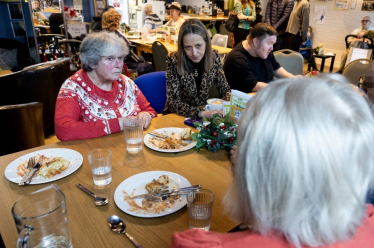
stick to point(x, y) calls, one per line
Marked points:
point(85, 111)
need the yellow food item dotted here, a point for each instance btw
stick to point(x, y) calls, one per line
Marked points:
point(186, 134)
point(158, 185)
point(53, 167)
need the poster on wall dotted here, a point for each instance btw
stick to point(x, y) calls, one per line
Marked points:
point(320, 14)
point(15, 11)
point(341, 4)
point(367, 5)
point(19, 29)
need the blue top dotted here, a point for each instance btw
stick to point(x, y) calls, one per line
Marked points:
point(306, 53)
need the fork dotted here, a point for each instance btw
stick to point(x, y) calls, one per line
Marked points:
point(30, 166)
point(35, 169)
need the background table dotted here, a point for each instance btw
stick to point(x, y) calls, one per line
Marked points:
point(144, 46)
point(88, 223)
point(324, 57)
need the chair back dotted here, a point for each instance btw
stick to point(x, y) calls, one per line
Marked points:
point(223, 30)
point(22, 127)
point(290, 60)
point(159, 53)
point(153, 87)
point(220, 40)
point(355, 69)
point(37, 83)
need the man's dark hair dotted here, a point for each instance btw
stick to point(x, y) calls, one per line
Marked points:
point(260, 31)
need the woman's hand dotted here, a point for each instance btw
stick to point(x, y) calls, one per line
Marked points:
point(233, 157)
point(146, 118)
point(209, 114)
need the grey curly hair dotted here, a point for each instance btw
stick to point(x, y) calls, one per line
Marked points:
point(99, 44)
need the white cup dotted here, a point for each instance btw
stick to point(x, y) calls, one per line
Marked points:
point(213, 104)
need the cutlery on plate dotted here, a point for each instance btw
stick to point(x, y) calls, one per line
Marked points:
point(159, 135)
point(30, 166)
point(166, 192)
point(33, 172)
point(163, 197)
point(117, 225)
point(99, 201)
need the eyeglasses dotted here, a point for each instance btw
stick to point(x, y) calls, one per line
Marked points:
point(365, 20)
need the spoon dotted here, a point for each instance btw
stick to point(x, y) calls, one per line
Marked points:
point(117, 225)
point(99, 201)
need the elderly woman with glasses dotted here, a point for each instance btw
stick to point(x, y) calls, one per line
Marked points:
point(192, 71)
point(98, 98)
point(304, 165)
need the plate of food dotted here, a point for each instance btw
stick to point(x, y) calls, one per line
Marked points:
point(150, 182)
point(56, 163)
point(170, 139)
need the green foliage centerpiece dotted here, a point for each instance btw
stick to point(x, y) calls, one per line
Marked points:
point(220, 133)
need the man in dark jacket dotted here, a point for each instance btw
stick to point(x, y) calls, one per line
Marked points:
point(277, 15)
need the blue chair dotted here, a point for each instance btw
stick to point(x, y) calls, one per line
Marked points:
point(153, 87)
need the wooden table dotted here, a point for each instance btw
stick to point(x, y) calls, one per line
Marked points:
point(324, 57)
point(88, 223)
point(202, 18)
point(144, 46)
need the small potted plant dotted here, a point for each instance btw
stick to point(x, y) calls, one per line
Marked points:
point(124, 27)
point(319, 49)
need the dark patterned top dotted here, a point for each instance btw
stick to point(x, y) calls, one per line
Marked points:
point(182, 96)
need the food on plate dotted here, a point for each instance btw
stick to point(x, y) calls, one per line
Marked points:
point(150, 206)
point(53, 167)
point(167, 140)
point(216, 102)
point(158, 185)
point(49, 166)
point(186, 134)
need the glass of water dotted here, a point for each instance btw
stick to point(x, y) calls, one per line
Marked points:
point(200, 206)
point(133, 130)
point(101, 166)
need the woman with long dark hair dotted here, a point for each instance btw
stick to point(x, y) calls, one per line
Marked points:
point(191, 72)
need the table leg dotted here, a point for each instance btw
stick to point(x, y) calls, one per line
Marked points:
point(322, 64)
point(332, 63)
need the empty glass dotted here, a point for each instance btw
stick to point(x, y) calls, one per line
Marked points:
point(200, 206)
point(101, 166)
point(133, 130)
point(41, 219)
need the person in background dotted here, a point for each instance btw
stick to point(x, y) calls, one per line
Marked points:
point(192, 71)
point(96, 22)
point(357, 43)
point(111, 22)
point(246, 13)
point(277, 15)
point(175, 12)
point(96, 99)
point(152, 22)
point(308, 54)
point(36, 6)
point(251, 65)
point(304, 165)
point(297, 27)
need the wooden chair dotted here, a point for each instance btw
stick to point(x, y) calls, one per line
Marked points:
point(22, 127)
point(159, 53)
point(290, 60)
point(355, 69)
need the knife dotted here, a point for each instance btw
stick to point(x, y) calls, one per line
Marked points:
point(32, 173)
point(166, 192)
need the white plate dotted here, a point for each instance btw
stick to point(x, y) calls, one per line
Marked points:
point(137, 184)
point(169, 131)
point(74, 157)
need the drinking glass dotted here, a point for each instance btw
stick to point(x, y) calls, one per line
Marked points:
point(41, 219)
point(133, 130)
point(200, 206)
point(101, 166)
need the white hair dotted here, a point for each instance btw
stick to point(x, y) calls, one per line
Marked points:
point(305, 161)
